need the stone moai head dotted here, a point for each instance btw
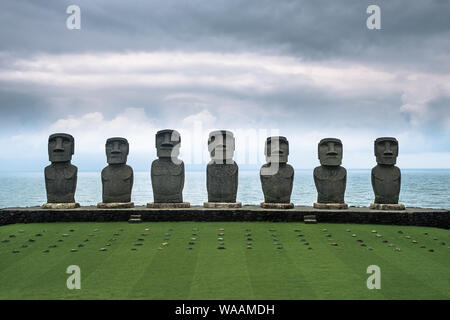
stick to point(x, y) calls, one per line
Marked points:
point(277, 150)
point(330, 152)
point(168, 143)
point(221, 145)
point(117, 150)
point(61, 147)
point(386, 150)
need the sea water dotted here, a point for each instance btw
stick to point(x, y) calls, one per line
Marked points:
point(426, 188)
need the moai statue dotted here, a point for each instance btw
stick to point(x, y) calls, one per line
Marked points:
point(168, 172)
point(117, 177)
point(222, 171)
point(277, 176)
point(386, 177)
point(330, 178)
point(61, 175)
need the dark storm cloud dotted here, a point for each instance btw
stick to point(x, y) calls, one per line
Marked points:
point(307, 29)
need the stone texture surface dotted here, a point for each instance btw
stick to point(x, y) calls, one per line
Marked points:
point(386, 177)
point(61, 175)
point(73, 205)
point(221, 172)
point(272, 205)
point(117, 177)
point(277, 176)
point(222, 204)
point(330, 178)
point(160, 205)
point(330, 206)
point(115, 205)
point(409, 216)
point(167, 171)
point(386, 206)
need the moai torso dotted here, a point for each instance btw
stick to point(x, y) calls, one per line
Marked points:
point(386, 181)
point(330, 177)
point(386, 177)
point(222, 182)
point(61, 182)
point(167, 171)
point(221, 172)
point(61, 175)
point(277, 188)
point(117, 177)
point(117, 183)
point(330, 184)
point(167, 181)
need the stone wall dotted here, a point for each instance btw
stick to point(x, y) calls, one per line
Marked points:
point(410, 216)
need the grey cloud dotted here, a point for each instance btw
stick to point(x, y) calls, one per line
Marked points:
point(316, 30)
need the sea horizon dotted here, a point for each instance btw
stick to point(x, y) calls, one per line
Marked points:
point(426, 188)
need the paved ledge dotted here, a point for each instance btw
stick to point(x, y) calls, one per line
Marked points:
point(363, 215)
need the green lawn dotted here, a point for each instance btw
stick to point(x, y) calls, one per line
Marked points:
point(286, 261)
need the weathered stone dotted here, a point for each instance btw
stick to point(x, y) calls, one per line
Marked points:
point(115, 205)
point(169, 205)
point(168, 170)
point(117, 177)
point(221, 172)
point(330, 178)
point(330, 206)
point(54, 206)
point(359, 215)
point(61, 175)
point(268, 205)
point(222, 204)
point(277, 176)
point(310, 219)
point(386, 177)
point(385, 206)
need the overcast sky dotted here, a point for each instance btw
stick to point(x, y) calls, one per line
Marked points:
point(302, 69)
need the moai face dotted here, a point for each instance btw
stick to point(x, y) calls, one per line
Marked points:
point(330, 152)
point(277, 150)
point(221, 145)
point(168, 143)
point(117, 150)
point(386, 150)
point(61, 147)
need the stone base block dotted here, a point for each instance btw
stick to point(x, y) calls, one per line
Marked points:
point(72, 205)
point(273, 205)
point(115, 205)
point(310, 219)
point(387, 206)
point(237, 204)
point(135, 218)
point(330, 206)
point(168, 205)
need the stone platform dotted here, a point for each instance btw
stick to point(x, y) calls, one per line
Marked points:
point(409, 216)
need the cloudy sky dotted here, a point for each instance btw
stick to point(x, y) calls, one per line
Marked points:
point(302, 69)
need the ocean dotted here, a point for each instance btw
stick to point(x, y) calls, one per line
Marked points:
point(426, 188)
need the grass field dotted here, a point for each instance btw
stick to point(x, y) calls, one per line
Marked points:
point(259, 261)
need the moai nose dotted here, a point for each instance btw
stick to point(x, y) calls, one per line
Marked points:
point(59, 145)
point(116, 148)
point(331, 151)
point(167, 141)
point(387, 150)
